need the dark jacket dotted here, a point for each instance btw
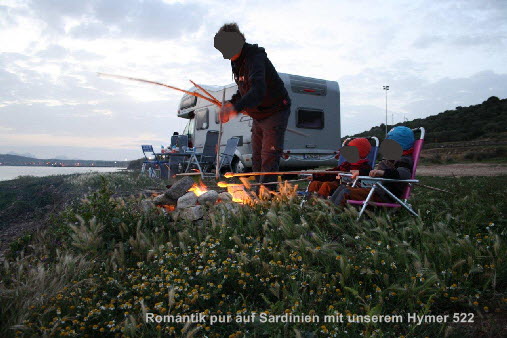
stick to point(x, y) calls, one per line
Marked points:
point(400, 170)
point(261, 92)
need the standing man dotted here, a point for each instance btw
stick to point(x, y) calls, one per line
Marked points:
point(261, 94)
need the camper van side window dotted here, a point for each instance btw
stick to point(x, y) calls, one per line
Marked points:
point(202, 119)
point(310, 118)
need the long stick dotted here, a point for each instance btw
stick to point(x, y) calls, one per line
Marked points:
point(433, 188)
point(309, 172)
point(217, 173)
point(205, 91)
point(257, 184)
point(161, 84)
point(215, 102)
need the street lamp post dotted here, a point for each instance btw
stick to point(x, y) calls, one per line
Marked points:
point(386, 88)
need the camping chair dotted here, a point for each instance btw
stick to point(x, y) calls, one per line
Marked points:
point(174, 140)
point(372, 156)
point(376, 183)
point(177, 159)
point(205, 160)
point(150, 164)
point(182, 143)
point(228, 155)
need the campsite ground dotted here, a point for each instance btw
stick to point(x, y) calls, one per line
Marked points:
point(463, 169)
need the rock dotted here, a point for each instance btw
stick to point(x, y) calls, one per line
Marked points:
point(164, 200)
point(147, 205)
point(225, 197)
point(230, 207)
point(208, 198)
point(180, 188)
point(187, 200)
point(192, 213)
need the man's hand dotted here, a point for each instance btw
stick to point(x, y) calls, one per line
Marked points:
point(377, 173)
point(227, 112)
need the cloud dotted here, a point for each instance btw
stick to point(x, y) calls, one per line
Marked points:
point(434, 55)
point(447, 93)
point(148, 19)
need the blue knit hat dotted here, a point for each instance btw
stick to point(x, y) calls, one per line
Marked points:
point(403, 135)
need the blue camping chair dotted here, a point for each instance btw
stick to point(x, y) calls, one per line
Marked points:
point(227, 156)
point(151, 162)
point(372, 155)
point(174, 140)
point(206, 160)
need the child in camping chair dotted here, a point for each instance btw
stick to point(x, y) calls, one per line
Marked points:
point(325, 184)
point(396, 164)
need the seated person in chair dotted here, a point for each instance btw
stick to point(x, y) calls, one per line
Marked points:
point(397, 163)
point(325, 184)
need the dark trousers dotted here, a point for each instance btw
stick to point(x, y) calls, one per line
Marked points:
point(267, 143)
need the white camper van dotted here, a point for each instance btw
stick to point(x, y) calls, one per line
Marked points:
point(314, 121)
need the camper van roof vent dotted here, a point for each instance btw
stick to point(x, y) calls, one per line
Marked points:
point(308, 85)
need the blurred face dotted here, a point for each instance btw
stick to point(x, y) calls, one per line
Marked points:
point(391, 150)
point(229, 44)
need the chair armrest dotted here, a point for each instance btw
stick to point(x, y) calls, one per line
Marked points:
point(381, 179)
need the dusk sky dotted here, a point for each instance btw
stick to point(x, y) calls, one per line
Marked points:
point(434, 55)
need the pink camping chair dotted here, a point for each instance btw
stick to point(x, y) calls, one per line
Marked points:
point(376, 183)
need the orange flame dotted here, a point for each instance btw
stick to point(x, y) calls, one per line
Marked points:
point(239, 195)
point(198, 189)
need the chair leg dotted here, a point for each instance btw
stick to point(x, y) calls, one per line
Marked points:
point(370, 194)
point(189, 162)
point(305, 197)
point(151, 172)
point(404, 204)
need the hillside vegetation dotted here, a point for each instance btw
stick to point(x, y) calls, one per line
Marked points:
point(487, 120)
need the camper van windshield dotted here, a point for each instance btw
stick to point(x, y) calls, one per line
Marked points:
point(189, 128)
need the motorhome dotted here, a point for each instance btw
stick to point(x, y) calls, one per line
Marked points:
point(313, 131)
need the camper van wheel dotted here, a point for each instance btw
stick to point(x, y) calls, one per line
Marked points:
point(238, 166)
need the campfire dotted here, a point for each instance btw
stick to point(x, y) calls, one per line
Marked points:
point(199, 188)
point(189, 200)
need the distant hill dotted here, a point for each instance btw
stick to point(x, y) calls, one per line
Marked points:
point(16, 160)
point(24, 154)
point(485, 121)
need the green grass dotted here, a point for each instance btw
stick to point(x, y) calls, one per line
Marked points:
point(29, 198)
point(104, 262)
